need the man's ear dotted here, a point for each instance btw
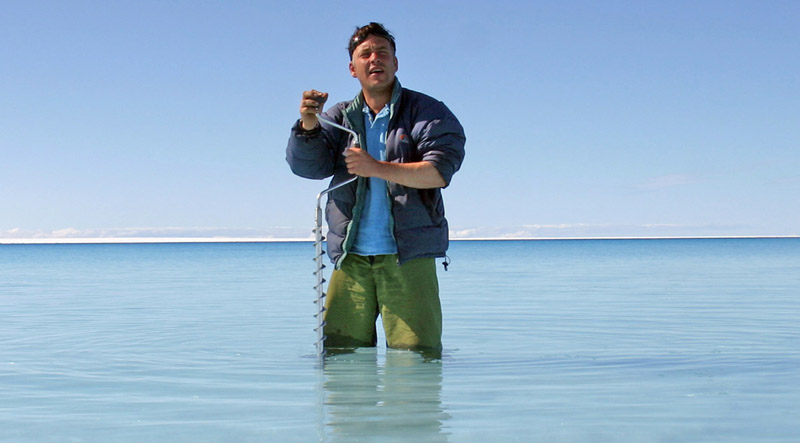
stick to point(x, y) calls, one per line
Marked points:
point(352, 70)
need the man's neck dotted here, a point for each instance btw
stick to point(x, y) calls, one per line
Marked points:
point(376, 100)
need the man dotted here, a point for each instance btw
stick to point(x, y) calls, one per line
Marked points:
point(384, 229)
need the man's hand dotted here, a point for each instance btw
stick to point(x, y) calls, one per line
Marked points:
point(310, 105)
point(359, 162)
point(420, 175)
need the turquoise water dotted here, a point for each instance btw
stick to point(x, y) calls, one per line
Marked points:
point(607, 340)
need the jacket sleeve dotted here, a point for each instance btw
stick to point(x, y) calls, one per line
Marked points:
point(442, 141)
point(311, 154)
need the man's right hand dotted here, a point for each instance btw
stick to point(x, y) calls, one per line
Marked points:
point(310, 106)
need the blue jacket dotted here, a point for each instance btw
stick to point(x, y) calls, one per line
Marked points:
point(420, 128)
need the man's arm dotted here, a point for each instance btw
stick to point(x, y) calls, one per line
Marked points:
point(440, 140)
point(420, 175)
point(310, 151)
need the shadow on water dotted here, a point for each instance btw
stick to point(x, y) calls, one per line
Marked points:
point(368, 395)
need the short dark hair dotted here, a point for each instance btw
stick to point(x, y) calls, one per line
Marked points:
point(361, 34)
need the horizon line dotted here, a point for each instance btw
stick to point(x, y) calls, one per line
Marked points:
point(156, 240)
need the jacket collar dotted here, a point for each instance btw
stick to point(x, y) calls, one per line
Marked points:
point(353, 110)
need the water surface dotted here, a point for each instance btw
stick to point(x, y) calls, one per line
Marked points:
point(605, 340)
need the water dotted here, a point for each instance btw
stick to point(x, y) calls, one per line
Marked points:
point(613, 340)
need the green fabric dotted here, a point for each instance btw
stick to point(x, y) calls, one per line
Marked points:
point(406, 297)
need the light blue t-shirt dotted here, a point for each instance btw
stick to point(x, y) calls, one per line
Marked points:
point(374, 229)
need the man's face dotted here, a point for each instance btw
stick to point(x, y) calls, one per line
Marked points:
point(374, 64)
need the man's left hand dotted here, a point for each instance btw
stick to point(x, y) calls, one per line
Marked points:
point(420, 175)
point(359, 162)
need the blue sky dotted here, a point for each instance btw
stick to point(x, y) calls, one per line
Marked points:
point(610, 118)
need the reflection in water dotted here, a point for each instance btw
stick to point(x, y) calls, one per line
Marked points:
point(375, 397)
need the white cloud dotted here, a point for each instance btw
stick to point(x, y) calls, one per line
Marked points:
point(66, 233)
point(158, 233)
point(526, 231)
point(587, 230)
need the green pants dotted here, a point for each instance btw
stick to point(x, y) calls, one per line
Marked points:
point(405, 296)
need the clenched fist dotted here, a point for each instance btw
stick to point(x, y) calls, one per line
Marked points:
point(310, 106)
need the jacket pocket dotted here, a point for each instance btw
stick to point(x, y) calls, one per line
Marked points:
point(417, 208)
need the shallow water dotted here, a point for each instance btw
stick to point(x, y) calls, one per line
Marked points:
point(612, 340)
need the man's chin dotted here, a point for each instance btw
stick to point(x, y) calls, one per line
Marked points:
point(378, 84)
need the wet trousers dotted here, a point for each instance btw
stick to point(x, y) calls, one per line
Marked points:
point(405, 296)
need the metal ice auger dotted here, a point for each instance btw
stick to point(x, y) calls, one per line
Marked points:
point(318, 239)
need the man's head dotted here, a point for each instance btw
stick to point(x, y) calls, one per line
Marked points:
point(372, 58)
point(363, 32)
